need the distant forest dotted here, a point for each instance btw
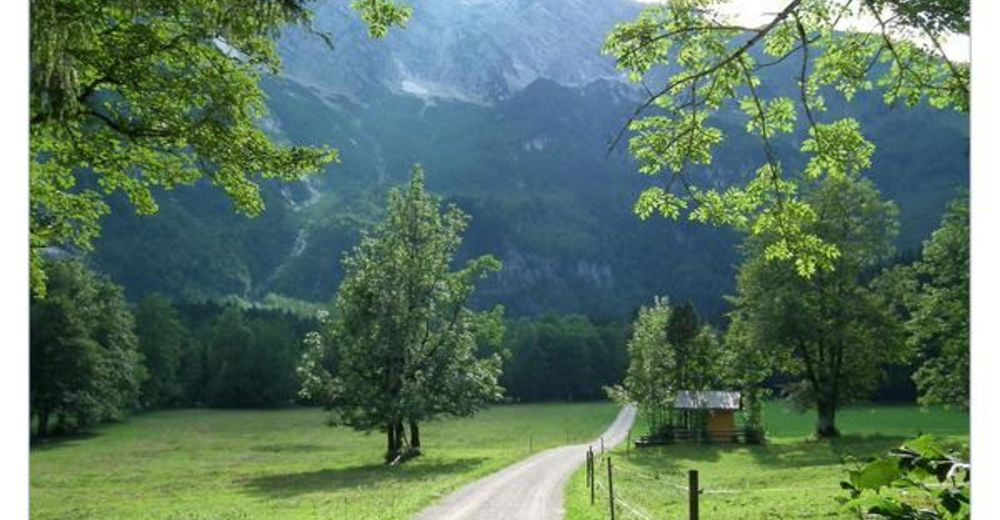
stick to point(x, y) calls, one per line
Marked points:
point(158, 354)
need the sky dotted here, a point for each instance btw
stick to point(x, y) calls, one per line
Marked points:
point(758, 12)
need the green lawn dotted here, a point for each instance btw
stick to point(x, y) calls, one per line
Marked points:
point(790, 477)
point(224, 464)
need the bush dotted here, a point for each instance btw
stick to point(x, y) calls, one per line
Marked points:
point(920, 480)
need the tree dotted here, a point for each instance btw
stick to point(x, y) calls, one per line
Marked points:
point(715, 67)
point(85, 362)
point(940, 322)
point(831, 330)
point(405, 341)
point(669, 351)
point(127, 96)
point(747, 369)
point(162, 341)
point(651, 367)
point(683, 325)
point(932, 296)
point(682, 328)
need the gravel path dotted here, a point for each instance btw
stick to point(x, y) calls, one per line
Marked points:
point(531, 489)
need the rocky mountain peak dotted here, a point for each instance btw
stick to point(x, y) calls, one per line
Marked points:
point(479, 51)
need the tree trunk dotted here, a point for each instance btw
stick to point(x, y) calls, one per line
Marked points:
point(392, 442)
point(397, 436)
point(414, 435)
point(826, 414)
point(400, 435)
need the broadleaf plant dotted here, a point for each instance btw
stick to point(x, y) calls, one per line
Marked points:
point(714, 66)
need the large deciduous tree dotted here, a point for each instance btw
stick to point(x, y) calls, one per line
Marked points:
point(404, 340)
point(831, 330)
point(714, 66)
point(939, 326)
point(85, 361)
point(128, 96)
point(932, 296)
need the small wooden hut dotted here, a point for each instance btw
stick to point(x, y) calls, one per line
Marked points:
point(717, 408)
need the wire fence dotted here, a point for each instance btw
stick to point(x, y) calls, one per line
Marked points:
point(628, 506)
point(617, 501)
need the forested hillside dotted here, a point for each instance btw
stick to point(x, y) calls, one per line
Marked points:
point(516, 135)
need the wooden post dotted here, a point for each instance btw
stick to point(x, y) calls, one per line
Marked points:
point(602, 446)
point(628, 442)
point(611, 491)
point(592, 475)
point(693, 494)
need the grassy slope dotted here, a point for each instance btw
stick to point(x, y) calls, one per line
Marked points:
point(223, 464)
point(790, 477)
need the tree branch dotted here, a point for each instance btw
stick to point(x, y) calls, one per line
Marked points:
point(743, 49)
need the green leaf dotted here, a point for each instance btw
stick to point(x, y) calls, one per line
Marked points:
point(925, 446)
point(876, 475)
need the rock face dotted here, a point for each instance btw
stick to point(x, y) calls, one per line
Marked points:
point(509, 106)
point(479, 51)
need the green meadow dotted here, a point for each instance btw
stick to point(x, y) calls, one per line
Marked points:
point(791, 476)
point(229, 464)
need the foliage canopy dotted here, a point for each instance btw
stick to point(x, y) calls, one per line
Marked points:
point(831, 330)
point(713, 68)
point(939, 325)
point(932, 297)
point(406, 345)
point(669, 351)
point(129, 96)
point(86, 365)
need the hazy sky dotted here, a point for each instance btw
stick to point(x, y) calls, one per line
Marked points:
point(757, 12)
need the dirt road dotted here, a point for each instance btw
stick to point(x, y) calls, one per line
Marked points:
point(531, 489)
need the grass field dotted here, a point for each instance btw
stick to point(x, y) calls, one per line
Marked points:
point(228, 465)
point(791, 476)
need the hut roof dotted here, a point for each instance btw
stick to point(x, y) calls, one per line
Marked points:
point(707, 400)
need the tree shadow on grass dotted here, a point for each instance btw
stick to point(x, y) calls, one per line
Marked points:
point(674, 458)
point(293, 484)
point(60, 441)
point(291, 448)
point(824, 452)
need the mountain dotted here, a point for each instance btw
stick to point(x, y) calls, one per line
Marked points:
point(478, 51)
point(509, 106)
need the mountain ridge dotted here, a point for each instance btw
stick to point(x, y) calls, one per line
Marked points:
point(530, 166)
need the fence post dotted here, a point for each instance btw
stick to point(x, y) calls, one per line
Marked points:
point(602, 446)
point(611, 490)
point(592, 475)
point(628, 442)
point(693, 492)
